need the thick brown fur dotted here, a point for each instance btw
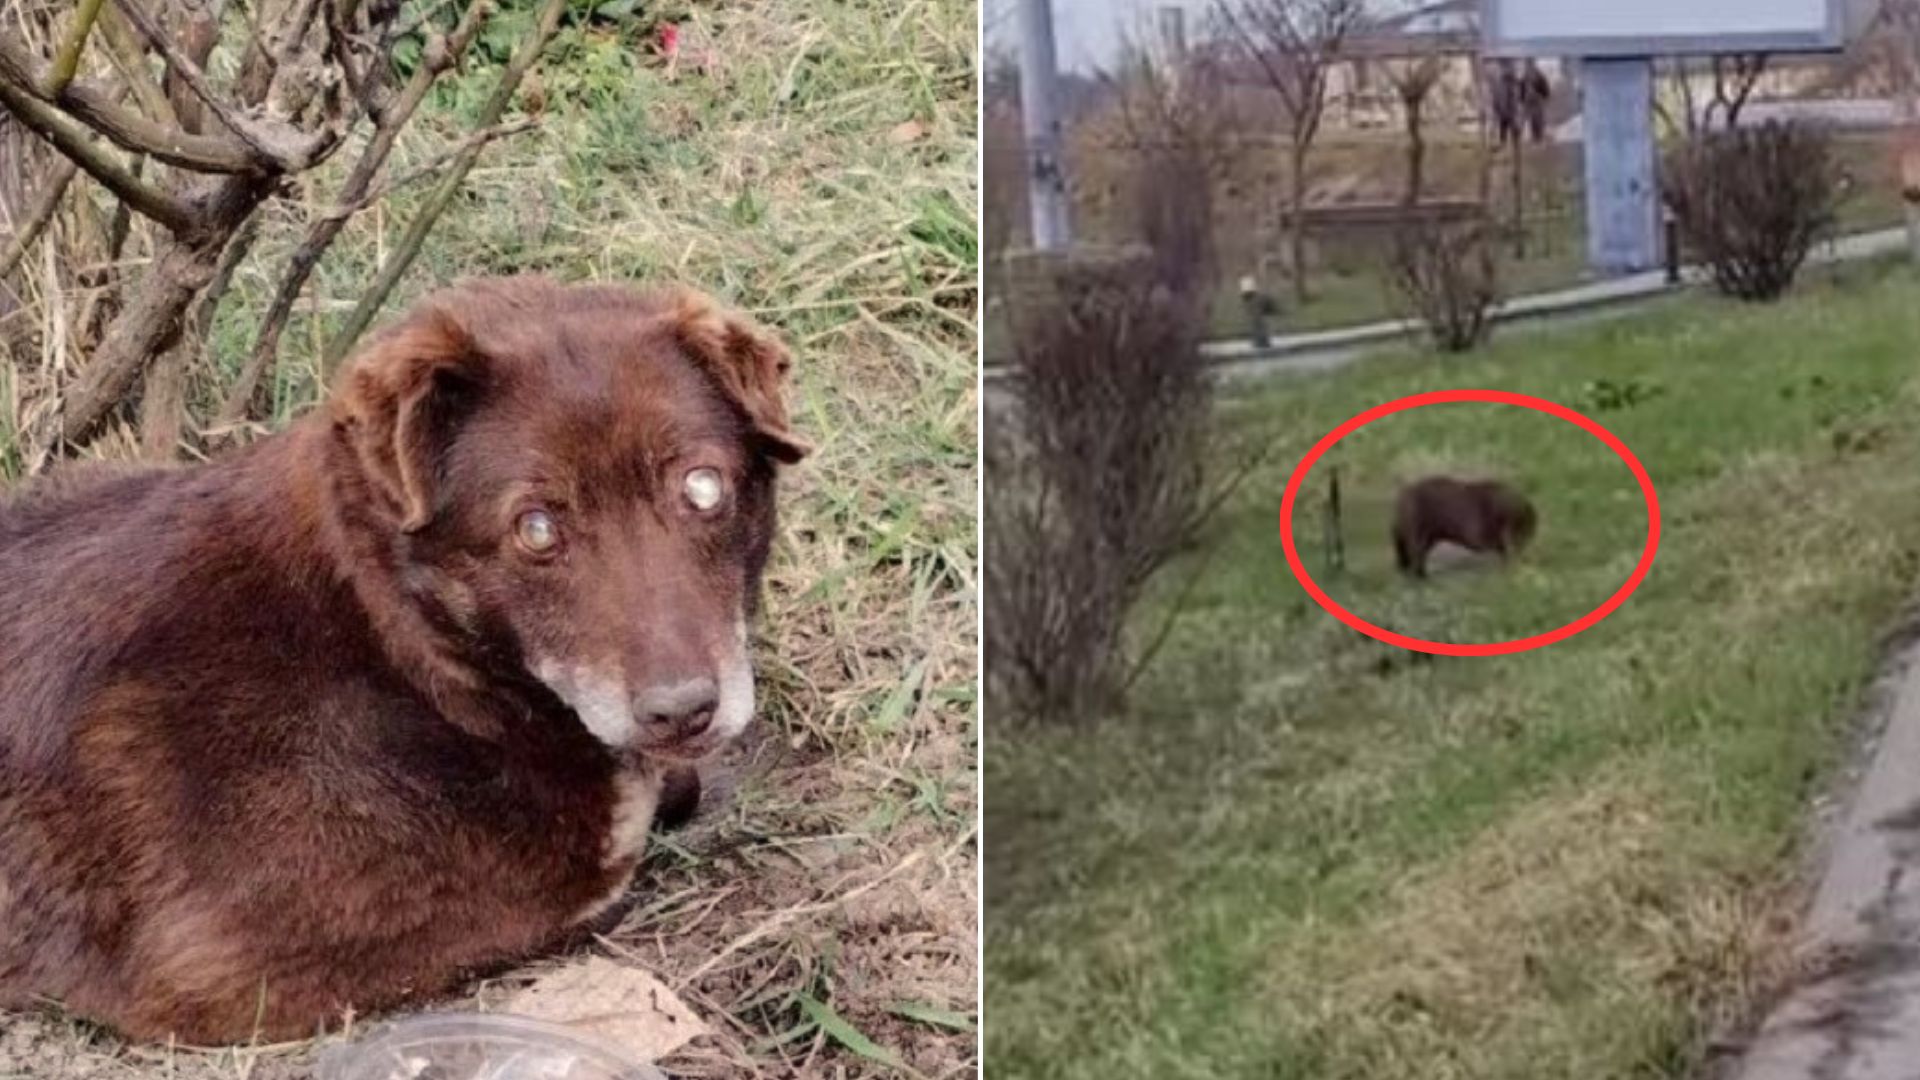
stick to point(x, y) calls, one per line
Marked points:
point(274, 737)
point(1481, 515)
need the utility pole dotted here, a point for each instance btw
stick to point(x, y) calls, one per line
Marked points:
point(1623, 194)
point(1040, 117)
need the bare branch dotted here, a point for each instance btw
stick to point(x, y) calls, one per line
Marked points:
point(433, 165)
point(163, 405)
point(1251, 45)
point(130, 60)
point(456, 174)
point(28, 228)
point(66, 61)
point(71, 138)
point(340, 45)
point(282, 147)
point(95, 108)
point(1294, 42)
point(421, 18)
point(363, 82)
point(1747, 70)
point(269, 46)
point(195, 27)
point(121, 227)
point(356, 194)
point(147, 325)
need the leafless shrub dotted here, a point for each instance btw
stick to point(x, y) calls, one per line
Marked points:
point(191, 117)
point(1447, 276)
point(1752, 202)
point(1098, 479)
point(1735, 77)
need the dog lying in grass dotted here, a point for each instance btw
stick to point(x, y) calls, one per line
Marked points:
point(392, 696)
point(1481, 515)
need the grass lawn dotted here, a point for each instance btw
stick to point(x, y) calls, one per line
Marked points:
point(1300, 856)
point(814, 164)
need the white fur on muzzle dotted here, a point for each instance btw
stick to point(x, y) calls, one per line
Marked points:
point(603, 699)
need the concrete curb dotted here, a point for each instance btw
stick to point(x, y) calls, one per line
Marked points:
point(1535, 306)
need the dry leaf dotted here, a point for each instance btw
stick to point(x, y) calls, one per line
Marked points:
point(625, 1005)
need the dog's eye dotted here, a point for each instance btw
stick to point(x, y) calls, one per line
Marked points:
point(704, 488)
point(536, 531)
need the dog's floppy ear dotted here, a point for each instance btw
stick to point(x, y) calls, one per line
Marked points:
point(747, 361)
point(395, 402)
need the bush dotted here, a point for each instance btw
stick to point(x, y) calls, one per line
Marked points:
point(1751, 203)
point(1096, 474)
point(1446, 275)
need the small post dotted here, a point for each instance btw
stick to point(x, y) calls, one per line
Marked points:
point(1335, 538)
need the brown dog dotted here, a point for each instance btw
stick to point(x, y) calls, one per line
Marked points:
point(391, 696)
point(1482, 515)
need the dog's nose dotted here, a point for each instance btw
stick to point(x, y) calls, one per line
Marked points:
point(676, 711)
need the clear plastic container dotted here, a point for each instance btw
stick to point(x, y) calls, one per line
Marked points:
point(481, 1046)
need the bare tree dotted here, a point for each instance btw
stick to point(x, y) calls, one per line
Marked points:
point(1177, 128)
point(1735, 78)
point(127, 93)
point(1294, 44)
point(1444, 273)
point(1413, 79)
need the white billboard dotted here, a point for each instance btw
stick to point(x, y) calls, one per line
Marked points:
point(1662, 27)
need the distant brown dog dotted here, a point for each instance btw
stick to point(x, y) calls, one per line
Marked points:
point(1483, 515)
point(391, 696)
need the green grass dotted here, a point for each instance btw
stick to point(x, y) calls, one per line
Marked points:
point(814, 164)
point(1300, 856)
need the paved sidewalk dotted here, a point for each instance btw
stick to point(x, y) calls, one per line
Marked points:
point(1856, 1015)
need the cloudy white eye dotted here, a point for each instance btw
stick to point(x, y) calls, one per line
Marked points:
point(703, 488)
point(536, 531)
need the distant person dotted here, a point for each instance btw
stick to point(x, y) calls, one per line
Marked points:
point(1535, 92)
point(1261, 310)
point(1503, 94)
